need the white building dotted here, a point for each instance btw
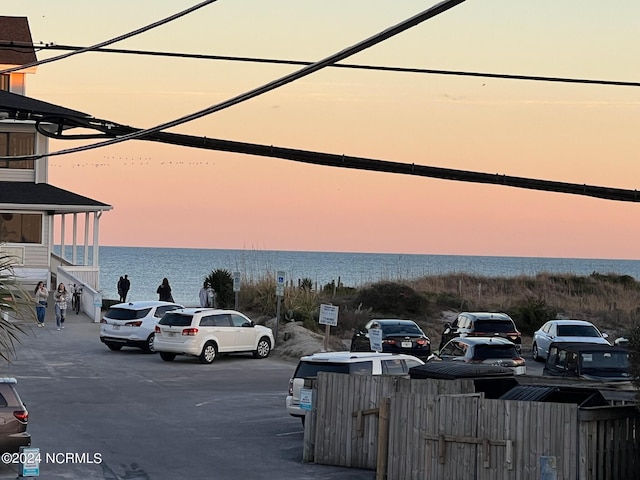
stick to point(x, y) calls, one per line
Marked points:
point(28, 202)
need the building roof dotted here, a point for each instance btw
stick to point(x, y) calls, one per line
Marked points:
point(43, 196)
point(16, 30)
point(22, 108)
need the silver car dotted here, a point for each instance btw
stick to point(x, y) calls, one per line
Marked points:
point(133, 324)
point(565, 331)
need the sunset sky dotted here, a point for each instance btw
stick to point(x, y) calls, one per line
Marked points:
point(171, 196)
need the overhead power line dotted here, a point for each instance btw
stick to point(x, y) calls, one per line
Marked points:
point(274, 84)
point(113, 40)
point(358, 163)
point(276, 61)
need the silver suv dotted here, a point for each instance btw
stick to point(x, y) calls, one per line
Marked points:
point(354, 363)
point(206, 332)
point(13, 418)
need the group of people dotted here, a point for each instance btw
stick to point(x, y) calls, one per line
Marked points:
point(124, 284)
point(60, 297)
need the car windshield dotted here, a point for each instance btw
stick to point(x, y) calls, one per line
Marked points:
point(600, 361)
point(175, 320)
point(403, 329)
point(483, 352)
point(499, 326)
point(127, 313)
point(577, 331)
point(311, 369)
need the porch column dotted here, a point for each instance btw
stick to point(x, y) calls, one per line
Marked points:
point(96, 231)
point(85, 257)
point(74, 250)
point(62, 229)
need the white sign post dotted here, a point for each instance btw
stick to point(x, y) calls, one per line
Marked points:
point(280, 275)
point(375, 339)
point(329, 318)
point(236, 286)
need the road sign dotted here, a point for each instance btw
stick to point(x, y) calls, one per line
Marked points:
point(328, 315)
point(280, 275)
point(375, 339)
point(306, 396)
point(236, 281)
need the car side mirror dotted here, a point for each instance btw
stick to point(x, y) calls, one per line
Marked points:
point(605, 335)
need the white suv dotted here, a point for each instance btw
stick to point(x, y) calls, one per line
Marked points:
point(355, 363)
point(205, 332)
point(133, 324)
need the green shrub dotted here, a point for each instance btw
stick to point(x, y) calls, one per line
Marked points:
point(393, 298)
point(532, 314)
point(221, 281)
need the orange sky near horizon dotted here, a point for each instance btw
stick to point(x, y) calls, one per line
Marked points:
point(173, 196)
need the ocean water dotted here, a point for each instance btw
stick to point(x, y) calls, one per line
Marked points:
point(185, 268)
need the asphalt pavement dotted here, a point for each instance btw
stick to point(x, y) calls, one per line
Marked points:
point(98, 414)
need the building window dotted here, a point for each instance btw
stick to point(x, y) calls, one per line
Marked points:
point(13, 144)
point(4, 82)
point(20, 227)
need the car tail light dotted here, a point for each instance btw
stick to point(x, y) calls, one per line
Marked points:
point(21, 415)
point(422, 341)
point(103, 320)
point(291, 386)
point(137, 323)
point(190, 332)
point(390, 341)
point(157, 329)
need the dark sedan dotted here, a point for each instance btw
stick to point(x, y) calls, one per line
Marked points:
point(398, 336)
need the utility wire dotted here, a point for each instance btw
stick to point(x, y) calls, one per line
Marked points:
point(303, 72)
point(507, 76)
point(113, 40)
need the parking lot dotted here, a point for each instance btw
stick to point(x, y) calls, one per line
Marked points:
point(98, 414)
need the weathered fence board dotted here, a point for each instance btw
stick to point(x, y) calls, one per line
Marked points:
point(442, 429)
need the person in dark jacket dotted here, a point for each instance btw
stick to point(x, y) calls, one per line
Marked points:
point(164, 291)
point(126, 285)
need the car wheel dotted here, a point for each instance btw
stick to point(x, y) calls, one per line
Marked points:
point(167, 356)
point(534, 353)
point(209, 352)
point(114, 347)
point(264, 347)
point(149, 347)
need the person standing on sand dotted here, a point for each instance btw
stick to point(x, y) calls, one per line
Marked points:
point(164, 291)
point(41, 295)
point(61, 297)
point(126, 285)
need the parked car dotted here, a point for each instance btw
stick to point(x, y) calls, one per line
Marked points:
point(564, 331)
point(482, 324)
point(398, 336)
point(13, 418)
point(133, 324)
point(590, 361)
point(206, 332)
point(496, 351)
point(354, 363)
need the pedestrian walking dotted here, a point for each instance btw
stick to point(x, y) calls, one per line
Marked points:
point(41, 295)
point(126, 285)
point(164, 291)
point(61, 297)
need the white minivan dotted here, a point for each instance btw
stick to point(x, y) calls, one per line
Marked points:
point(207, 332)
point(354, 363)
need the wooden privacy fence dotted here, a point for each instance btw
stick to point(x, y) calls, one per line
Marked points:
point(417, 429)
